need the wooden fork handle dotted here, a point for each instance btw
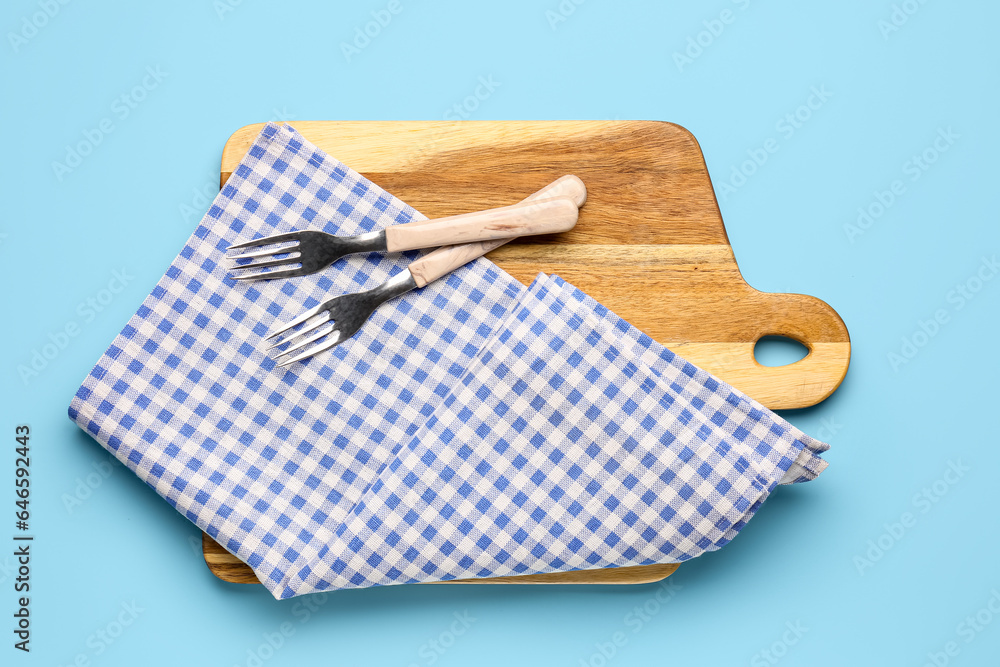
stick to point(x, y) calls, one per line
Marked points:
point(538, 216)
point(445, 260)
point(564, 186)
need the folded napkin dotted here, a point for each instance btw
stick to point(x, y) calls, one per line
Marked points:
point(472, 428)
point(572, 441)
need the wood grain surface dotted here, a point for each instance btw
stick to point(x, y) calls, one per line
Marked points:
point(650, 244)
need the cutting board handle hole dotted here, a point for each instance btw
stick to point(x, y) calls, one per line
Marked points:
point(778, 351)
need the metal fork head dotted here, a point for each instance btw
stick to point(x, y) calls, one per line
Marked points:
point(297, 253)
point(332, 322)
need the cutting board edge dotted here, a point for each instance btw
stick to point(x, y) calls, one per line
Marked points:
point(239, 572)
point(240, 140)
point(227, 567)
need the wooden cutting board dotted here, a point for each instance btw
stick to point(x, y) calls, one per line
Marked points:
point(650, 244)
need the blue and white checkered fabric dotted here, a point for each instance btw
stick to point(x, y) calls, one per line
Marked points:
point(572, 442)
point(472, 428)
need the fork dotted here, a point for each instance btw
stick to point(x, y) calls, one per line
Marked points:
point(313, 251)
point(339, 318)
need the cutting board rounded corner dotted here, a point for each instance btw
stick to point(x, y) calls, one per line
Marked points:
point(236, 146)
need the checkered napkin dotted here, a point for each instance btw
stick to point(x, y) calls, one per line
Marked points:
point(573, 441)
point(472, 428)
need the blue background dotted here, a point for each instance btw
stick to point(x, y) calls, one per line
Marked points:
point(894, 428)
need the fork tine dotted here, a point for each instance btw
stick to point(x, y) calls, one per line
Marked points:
point(270, 275)
point(267, 263)
point(316, 350)
point(267, 240)
point(312, 312)
point(311, 339)
point(303, 332)
point(265, 253)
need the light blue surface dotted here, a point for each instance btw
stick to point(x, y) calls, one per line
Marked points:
point(893, 430)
